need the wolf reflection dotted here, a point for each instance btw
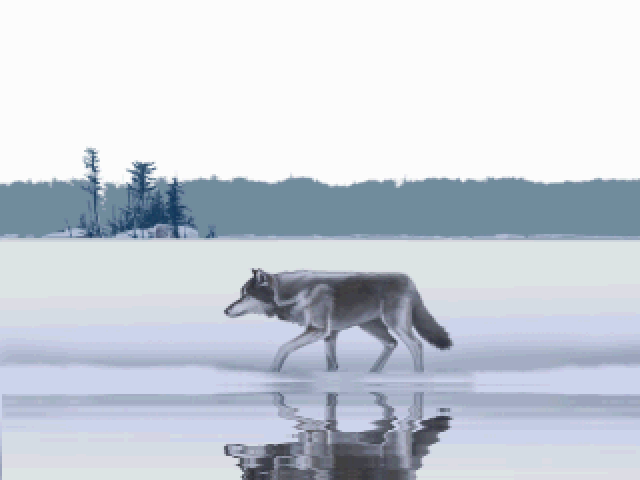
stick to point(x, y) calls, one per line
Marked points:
point(324, 452)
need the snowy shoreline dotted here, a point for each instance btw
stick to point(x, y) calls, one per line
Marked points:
point(192, 234)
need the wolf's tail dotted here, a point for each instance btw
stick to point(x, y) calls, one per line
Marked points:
point(426, 325)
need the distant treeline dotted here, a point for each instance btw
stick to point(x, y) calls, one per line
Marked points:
point(300, 206)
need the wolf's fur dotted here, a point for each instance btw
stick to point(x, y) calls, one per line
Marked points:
point(327, 302)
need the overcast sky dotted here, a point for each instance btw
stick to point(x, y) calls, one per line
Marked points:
point(341, 91)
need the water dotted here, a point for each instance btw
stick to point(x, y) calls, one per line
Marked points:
point(134, 371)
point(397, 434)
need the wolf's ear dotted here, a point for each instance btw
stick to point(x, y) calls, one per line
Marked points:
point(260, 276)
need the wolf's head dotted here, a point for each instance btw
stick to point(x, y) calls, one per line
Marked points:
point(256, 296)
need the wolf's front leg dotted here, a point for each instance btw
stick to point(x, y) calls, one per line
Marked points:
point(310, 335)
point(330, 350)
point(318, 314)
point(284, 410)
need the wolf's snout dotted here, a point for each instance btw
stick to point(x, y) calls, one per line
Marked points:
point(231, 311)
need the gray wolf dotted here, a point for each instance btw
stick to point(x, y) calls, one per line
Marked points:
point(325, 303)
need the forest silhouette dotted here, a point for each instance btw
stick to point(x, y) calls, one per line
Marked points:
point(303, 207)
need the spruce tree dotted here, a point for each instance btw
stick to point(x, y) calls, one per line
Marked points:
point(92, 163)
point(175, 208)
point(142, 184)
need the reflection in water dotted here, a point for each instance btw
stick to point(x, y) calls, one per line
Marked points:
point(324, 452)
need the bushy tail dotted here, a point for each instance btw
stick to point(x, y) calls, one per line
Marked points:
point(426, 325)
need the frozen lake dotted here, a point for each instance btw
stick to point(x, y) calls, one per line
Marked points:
point(135, 365)
point(378, 435)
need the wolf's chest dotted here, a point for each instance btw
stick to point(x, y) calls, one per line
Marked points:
point(297, 315)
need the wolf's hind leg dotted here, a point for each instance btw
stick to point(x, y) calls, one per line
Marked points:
point(381, 332)
point(381, 400)
point(309, 336)
point(330, 350)
point(397, 316)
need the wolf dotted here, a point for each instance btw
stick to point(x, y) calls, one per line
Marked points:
point(325, 303)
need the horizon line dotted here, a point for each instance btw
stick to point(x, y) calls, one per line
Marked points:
point(398, 182)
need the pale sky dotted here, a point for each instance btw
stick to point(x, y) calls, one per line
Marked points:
point(341, 91)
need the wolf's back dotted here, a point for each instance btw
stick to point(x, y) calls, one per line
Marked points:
point(426, 325)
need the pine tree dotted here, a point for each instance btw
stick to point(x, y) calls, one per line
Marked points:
point(141, 186)
point(157, 212)
point(175, 209)
point(91, 162)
